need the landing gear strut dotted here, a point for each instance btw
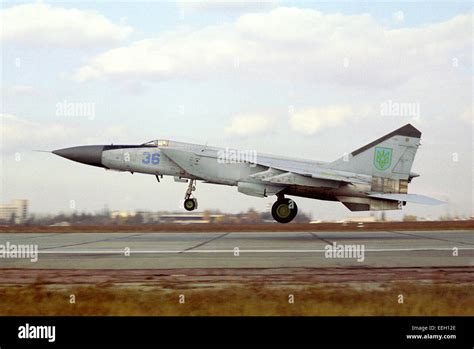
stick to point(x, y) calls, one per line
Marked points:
point(284, 210)
point(190, 204)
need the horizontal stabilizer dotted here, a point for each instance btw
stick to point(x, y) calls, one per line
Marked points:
point(414, 198)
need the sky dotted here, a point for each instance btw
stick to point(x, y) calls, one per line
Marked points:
point(307, 79)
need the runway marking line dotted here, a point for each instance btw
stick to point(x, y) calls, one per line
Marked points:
point(204, 243)
point(320, 238)
point(428, 237)
point(242, 251)
point(94, 241)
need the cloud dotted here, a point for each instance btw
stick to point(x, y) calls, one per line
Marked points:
point(467, 115)
point(19, 90)
point(311, 120)
point(225, 5)
point(249, 124)
point(398, 16)
point(17, 133)
point(290, 43)
point(41, 24)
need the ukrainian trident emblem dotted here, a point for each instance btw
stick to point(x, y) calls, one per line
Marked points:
point(382, 158)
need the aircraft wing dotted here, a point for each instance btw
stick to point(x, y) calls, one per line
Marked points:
point(415, 198)
point(187, 160)
point(279, 172)
point(316, 173)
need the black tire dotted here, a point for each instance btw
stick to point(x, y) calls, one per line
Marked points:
point(190, 204)
point(284, 210)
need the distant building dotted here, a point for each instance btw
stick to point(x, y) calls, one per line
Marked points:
point(366, 219)
point(190, 218)
point(16, 210)
point(61, 224)
point(149, 217)
point(122, 214)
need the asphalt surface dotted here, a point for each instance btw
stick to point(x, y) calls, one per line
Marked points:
point(386, 249)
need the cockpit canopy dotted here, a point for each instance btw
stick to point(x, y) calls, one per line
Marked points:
point(160, 143)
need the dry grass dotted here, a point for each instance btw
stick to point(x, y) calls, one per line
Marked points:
point(254, 299)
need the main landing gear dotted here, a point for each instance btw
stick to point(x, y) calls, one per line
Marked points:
point(284, 210)
point(190, 204)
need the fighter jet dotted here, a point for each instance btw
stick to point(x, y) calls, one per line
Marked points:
point(372, 178)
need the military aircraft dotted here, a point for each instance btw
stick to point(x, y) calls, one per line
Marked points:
point(371, 178)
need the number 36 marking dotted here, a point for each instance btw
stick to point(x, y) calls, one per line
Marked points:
point(149, 158)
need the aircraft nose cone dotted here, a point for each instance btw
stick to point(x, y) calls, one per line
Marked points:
point(89, 154)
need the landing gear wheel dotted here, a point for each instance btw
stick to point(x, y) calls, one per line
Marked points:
point(284, 210)
point(190, 204)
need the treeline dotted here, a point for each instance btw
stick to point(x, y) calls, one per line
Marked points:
point(138, 218)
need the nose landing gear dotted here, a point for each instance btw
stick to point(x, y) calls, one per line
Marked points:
point(190, 204)
point(284, 210)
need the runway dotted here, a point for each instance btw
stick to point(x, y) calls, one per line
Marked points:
point(162, 250)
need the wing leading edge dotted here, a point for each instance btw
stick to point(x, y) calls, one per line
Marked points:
point(414, 198)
